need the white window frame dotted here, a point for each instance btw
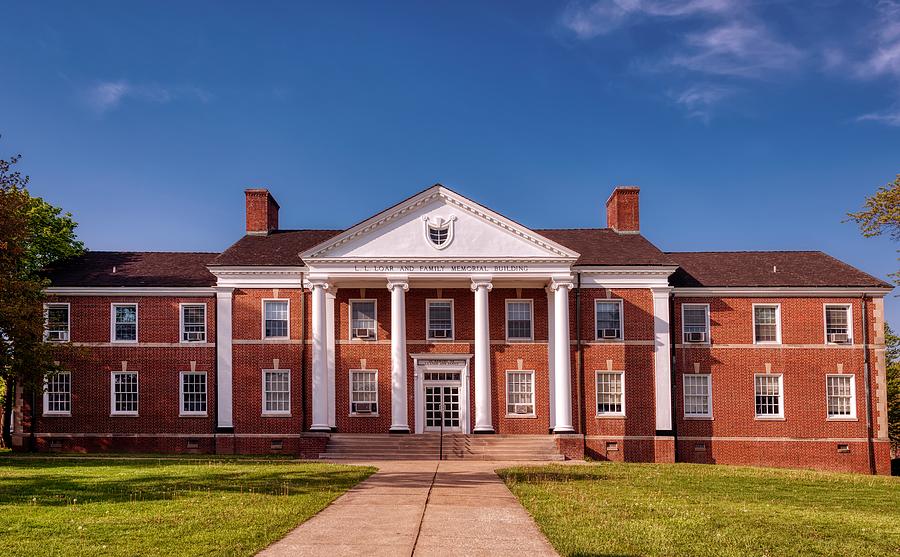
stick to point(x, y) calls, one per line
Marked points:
point(780, 415)
point(112, 322)
point(849, 308)
point(112, 393)
point(68, 322)
point(181, 330)
point(530, 374)
point(46, 401)
point(852, 415)
point(350, 411)
point(181, 401)
point(270, 413)
point(428, 303)
point(600, 414)
point(350, 319)
point(263, 321)
point(709, 397)
point(777, 307)
point(530, 302)
point(684, 324)
point(621, 303)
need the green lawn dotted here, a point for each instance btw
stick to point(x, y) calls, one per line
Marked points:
point(684, 509)
point(158, 506)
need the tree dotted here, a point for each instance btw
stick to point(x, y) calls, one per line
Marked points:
point(33, 235)
point(892, 358)
point(881, 214)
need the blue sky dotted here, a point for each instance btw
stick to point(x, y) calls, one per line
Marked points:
point(748, 125)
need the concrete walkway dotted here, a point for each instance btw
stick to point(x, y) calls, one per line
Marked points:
point(421, 508)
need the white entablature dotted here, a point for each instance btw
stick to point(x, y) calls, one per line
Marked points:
point(439, 233)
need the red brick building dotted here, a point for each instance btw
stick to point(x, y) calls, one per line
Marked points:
point(593, 336)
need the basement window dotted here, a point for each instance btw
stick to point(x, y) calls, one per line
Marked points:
point(612, 446)
point(843, 448)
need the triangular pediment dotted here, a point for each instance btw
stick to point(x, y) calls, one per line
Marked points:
point(439, 224)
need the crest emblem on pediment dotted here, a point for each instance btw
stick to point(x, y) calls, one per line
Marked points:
point(439, 231)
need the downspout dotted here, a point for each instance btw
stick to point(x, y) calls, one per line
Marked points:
point(215, 382)
point(672, 362)
point(867, 377)
point(32, 439)
point(302, 353)
point(579, 380)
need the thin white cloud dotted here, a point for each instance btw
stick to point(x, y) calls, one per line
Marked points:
point(589, 20)
point(736, 49)
point(699, 100)
point(109, 95)
point(891, 117)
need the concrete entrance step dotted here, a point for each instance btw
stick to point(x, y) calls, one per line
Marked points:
point(456, 446)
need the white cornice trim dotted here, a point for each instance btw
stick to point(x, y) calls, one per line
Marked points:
point(776, 292)
point(437, 192)
point(665, 270)
point(439, 260)
point(131, 291)
point(258, 276)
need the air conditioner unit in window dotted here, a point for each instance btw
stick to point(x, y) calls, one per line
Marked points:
point(440, 333)
point(194, 337)
point(365, 407)
point(838, 338)
point(695, 337)
point(609, 333)
point(362, 333)
point(58, 336)
point(523, 409)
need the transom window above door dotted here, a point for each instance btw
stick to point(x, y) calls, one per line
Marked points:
point(363, 319)
point(440, 319)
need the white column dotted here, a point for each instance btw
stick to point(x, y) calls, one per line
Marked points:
point(562, 369)
point(551, 354)
point(481, 287)
point(330, 297)
point(319, 357)
point(661, 356)
point(399, 418)
point(224, 399)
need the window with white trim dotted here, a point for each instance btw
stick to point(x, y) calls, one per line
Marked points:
point(695, 323)
point(840, 392)
point(697, 395)
point(837, 324)
point(766, 323)
point(608, 318)
point(276, 392)
point(519, 319)
point(193, 393)
point(124, 393)
point(58, 394)
point(275, 317)
point(520, 393)
point(124, 317)
point(610, 393)
point(363, 318)
point(769, 396)
point(363, 392)
point(440, 319)
point(56, 322)
point(193, 323)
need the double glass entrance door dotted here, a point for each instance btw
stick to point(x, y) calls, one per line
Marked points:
point(442, 397)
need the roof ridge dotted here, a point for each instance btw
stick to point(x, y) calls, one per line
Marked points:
point(89, 251)
point(750, 251)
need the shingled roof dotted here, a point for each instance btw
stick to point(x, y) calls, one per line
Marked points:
point(134, 268)
point(603, 246)
point(279, 248)
point(766, 269)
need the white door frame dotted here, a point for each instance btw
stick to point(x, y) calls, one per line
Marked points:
point(441, 362)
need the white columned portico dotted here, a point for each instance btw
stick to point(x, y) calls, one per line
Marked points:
point(662, 363)
point(481, 286)
point(319, 357)
point(399, 416)
point(224, 400)
point(562, 374)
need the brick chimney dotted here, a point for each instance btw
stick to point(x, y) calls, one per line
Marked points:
point(622, 214)
point(262, 211)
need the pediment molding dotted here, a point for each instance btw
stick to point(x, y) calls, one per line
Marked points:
point(320, 252)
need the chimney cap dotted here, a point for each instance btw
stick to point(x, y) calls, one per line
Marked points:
point(618, 189)
point(263, 191)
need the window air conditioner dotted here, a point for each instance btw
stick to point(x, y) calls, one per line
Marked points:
point(362, 333)
point(193, 336)
point(440, 333)
point(58, 336)
point(695, 337)
point(838, 338)
point(365, 407)
point(609, 333)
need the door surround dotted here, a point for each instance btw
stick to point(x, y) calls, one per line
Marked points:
point(423, 363)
